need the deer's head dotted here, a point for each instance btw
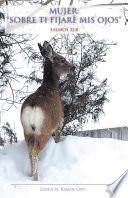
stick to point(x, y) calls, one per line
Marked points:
point(59, 63)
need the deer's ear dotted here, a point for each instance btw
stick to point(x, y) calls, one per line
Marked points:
point(46, 50)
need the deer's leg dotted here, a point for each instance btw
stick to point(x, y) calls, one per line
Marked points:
point(33, 155)
point(39, 144)
point(30, 139)
point(57, 135)
point(34, 164)
point(58, 132)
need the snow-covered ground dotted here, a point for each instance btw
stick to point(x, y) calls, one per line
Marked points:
point(75, 160)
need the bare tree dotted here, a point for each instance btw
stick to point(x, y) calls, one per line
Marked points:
point(58, 2)
point(10, 46)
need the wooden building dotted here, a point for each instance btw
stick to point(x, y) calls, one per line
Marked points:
point(120, 133)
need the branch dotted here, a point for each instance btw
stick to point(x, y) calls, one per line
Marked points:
point(18, 43)
point(59, 2)
point(9, 101)
point(13, 98)
point(47, 2)
point(71, 2)
point(109, 4)
point(124, 12)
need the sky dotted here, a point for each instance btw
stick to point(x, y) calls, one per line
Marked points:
point(115, 68)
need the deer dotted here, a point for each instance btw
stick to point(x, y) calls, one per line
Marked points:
point(42, 112)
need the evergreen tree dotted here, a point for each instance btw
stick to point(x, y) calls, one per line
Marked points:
point(9, 133)
point(83, 95)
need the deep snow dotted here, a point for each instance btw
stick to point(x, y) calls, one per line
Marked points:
point(75, 160)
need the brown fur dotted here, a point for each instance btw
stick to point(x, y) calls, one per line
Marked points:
point(46, 97)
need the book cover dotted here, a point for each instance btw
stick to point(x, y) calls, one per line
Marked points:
point(63, 98)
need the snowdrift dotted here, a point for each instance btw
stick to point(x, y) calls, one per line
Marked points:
point(75, 160)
